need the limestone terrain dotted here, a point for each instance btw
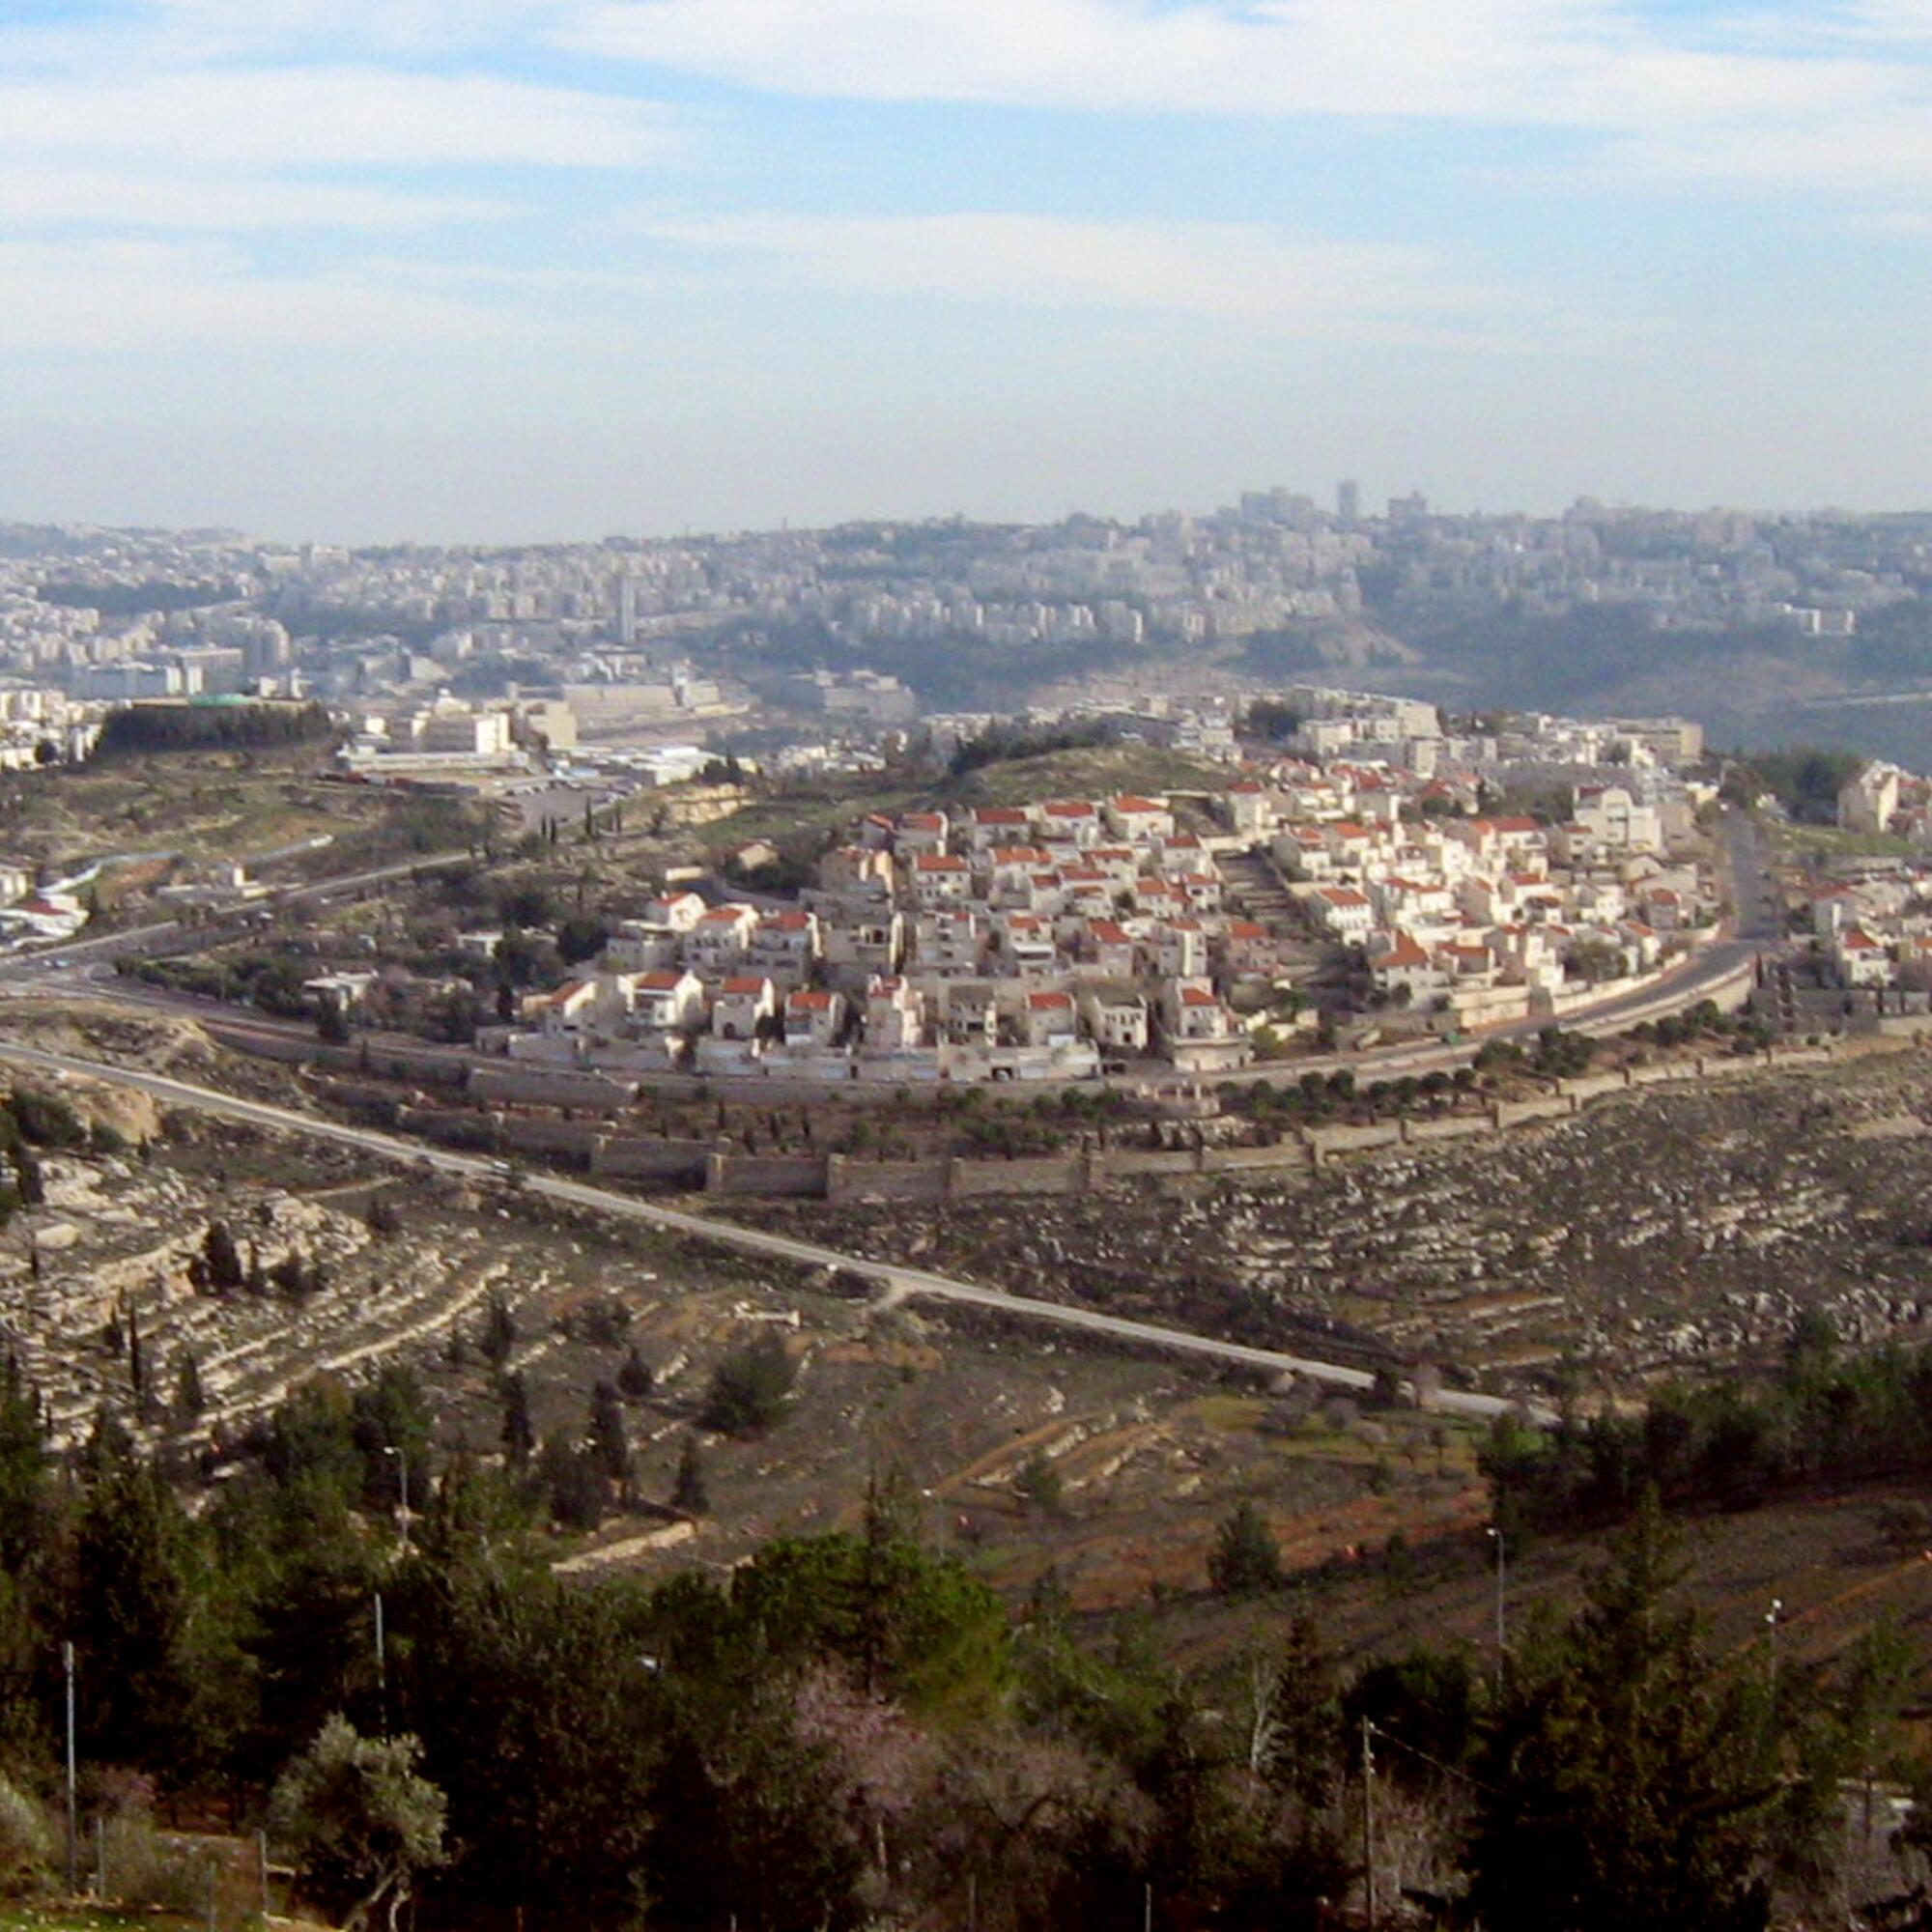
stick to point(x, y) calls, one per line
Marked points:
point(1664, 1232)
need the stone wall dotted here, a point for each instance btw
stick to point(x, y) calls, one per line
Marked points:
point(1325, 1143)
point(1056, 1173)
point(849, 1180)
point(551, 1087)
point(638, 1159)
point(765, 1174)
point(573, 1139)
point(1514, 1113)
point(1450, 1127)
point(455, 1127)
point(1295, 1155)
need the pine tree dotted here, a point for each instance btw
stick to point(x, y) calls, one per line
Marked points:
point(133, 1618)
point(1630, 1777)
point(689, 1492)
point(25, 1501)
point(635, 1379)
point(256, 1281)
point(28, 1178)
point(1245, 1557)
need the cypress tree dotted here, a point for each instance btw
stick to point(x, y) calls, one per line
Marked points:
point(690, 1492)
point(519, 1431)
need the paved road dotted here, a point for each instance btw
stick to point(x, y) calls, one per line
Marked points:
point(171, 935)
point(895, 1280)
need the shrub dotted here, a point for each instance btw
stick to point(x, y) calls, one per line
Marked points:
point(1245, 1558)
point(26, 1840)
point(750, 1389)
point(147, 1871)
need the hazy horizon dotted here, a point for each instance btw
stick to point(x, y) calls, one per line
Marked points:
point(1374, 508)
point(440, 273)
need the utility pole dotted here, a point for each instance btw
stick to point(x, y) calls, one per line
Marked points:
point(382, 1668)
point(1369, 1819)
point(73, 1780)
point(1770, 1617)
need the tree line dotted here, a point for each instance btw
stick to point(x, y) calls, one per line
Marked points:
point(1827, 1417)
point(136, 730)
point(851, 1727)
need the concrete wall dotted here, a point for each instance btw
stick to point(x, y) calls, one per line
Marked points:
point(1586, 997)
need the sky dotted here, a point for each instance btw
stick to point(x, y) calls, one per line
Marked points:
point(501, 270)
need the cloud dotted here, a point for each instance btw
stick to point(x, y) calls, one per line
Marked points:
point(400, 26)
point(149, 299)
point(287, 117)
point(1395, 57)
point(1226, 271)
point(38, 196)
point(1683, 103)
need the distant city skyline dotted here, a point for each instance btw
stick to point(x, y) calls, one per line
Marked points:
point(533, 269)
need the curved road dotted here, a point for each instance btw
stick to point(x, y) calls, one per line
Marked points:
point(896, 1279)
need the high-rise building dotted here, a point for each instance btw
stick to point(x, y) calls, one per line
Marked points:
point(1348, 501)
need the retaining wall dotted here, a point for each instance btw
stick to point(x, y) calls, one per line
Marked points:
point(1510, 1112)
point(1591, 1084)
point(1651, 1077)
point(1293, 1153)
point(1057, 1173)
point(1135, 1163)
point(650, 1159)
point(1324, 1142)
point(450, 1127)
point(1453, 1127)
point(576, 1138)
point(764, 1174)
point(552, 1087)
point(849, 1180)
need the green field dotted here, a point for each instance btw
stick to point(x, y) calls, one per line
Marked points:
point(809, 812)
point(205, 805)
